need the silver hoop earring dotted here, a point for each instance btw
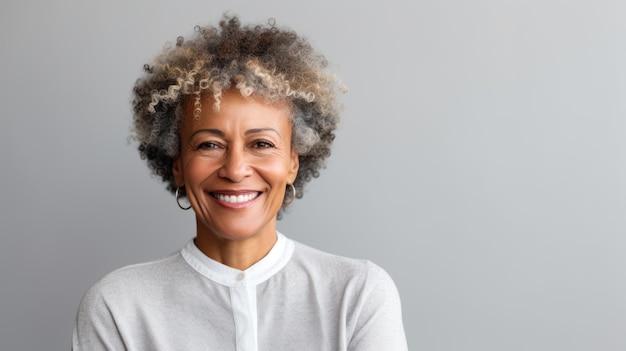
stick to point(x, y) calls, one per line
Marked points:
point(293, 195)
point(178, 200)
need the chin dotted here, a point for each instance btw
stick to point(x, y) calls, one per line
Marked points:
point(239, 232)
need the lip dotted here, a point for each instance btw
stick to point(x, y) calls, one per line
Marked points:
point(235, 199)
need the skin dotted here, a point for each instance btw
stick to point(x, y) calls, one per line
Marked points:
point(243, 150)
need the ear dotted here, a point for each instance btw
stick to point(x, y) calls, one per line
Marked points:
point(294, 166)
point(177, 169)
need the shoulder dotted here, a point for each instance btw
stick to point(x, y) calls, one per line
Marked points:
point(315, 256)
point(132, 278)
point(142, 272)
point(362, 272)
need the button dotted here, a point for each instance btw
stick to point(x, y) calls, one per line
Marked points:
point(240, 276)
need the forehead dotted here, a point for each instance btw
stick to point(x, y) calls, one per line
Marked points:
point(233, 107)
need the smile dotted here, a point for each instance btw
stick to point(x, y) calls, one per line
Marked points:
point(235, 199)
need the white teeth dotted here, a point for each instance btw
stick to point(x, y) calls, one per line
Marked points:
point(236, 199)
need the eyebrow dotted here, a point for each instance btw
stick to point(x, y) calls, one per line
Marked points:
point(260, 130)
point(209, 130)
point(248, 132)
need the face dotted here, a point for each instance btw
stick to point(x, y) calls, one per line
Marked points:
point(235, 164)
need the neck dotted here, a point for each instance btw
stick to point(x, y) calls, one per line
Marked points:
point(240, 254)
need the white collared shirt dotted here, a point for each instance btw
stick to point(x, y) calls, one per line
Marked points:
point(242, 284)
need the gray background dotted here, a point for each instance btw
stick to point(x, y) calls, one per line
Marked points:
point(480, 161)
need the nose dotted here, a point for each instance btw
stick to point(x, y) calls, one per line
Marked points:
point(235, 166)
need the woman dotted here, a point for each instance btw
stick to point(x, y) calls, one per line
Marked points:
point(235, 121)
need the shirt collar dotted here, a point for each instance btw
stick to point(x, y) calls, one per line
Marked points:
point(269, 265)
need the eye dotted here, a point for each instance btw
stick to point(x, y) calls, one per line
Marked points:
point(262, 144)
point(207, 145)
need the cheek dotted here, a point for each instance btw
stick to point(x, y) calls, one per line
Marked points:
point(197, 169)
point(276, 177)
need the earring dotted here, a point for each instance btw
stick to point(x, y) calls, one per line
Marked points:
point(293, 195)
point(178, 195)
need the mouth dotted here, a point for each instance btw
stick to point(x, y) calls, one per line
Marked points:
point(235, 198)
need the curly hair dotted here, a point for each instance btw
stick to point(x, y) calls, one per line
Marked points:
point(261, 60)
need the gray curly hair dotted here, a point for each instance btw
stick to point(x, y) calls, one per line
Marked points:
point(263, 60)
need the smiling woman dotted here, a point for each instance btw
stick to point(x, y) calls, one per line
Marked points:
point(230, 120)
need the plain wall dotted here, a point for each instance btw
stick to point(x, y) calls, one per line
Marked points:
point(480, 161)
